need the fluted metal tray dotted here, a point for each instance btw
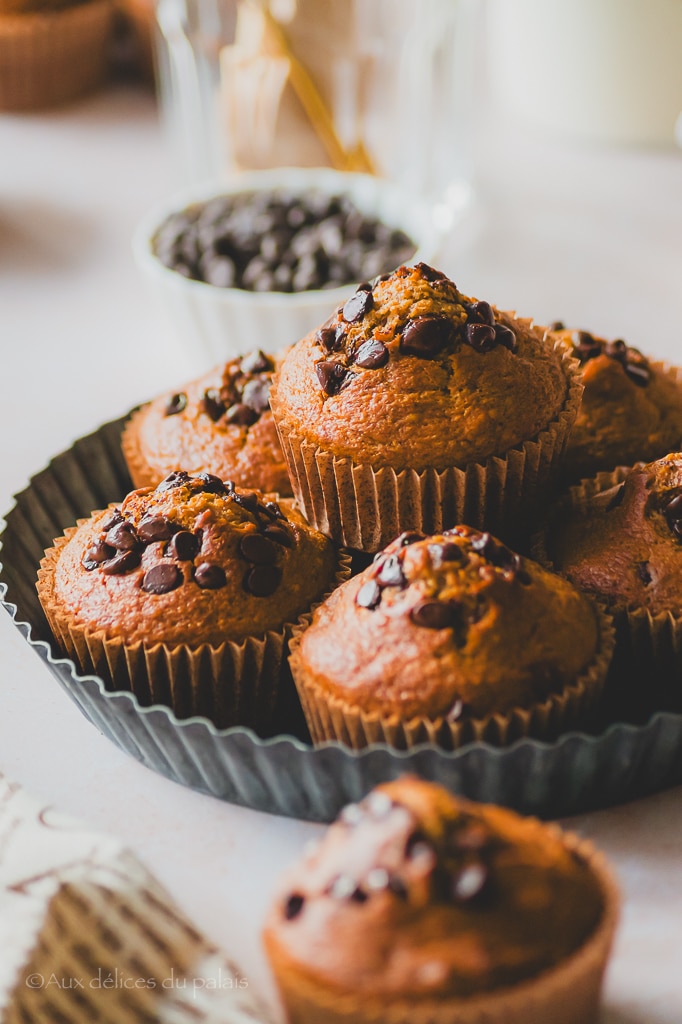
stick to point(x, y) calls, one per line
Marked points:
point(284, 774)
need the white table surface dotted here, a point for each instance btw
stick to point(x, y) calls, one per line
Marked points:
point(587, 235)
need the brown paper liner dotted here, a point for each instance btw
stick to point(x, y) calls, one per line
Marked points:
point(51, 57)
point(233, 684)
point(568, 993)
point(646, 671)
point(139, 471)
point(364, 508)
point(576, 707)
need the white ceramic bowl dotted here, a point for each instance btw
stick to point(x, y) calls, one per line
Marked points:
point(215, 324)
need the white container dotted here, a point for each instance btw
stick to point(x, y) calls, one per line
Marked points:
point(603, 70)
point(216, 324)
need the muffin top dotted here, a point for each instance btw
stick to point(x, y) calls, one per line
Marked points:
point(412, 373)
point(195, 561)
point(449, 626)
point(624, 543)
point(220, 423)
point(415, 892)
point(631, 408)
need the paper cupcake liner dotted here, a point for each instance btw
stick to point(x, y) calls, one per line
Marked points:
point(646, 671)
point(51, 57)
point(284, 774)
point(568, 993)
point(137, 466)
point(365, 508)
point(575, 707)
point(233, 684)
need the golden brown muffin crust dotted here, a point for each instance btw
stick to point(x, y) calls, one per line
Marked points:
point(220, 423)
point(192, 562)
point(424, 377)
point(446, 626)
point(631, 409)
point(416, 893)
point(624, 544)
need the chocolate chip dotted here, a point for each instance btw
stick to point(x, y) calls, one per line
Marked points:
point(339, 336)
point(446, 552)
point(326, 337)
point(673, 508)
point(426, 336)
point(505, 336)
point(469, 882)
point(113, 520)
point(293, 906)
point(176, 404)
point(371, 355)
point(262, 580)
point(155, 528)
point(391, 573)
point(256, 395)
point(211, 484)
point(209, 576)
point(332, 376)
point(429, 273)
point(523, 578)
point(258, 549)
point(248, 500)
point(397, 887)
point(212, 404)
point(639, 375)
point(162, 578)
point(176, 479)
point(480, 313)
point(433, 615)
point(557, 325)
point(273, 510)
point(409, 537)
point(359, 895)
point(616, 499)
point(123, 537)
point(255, 362)
point(122, 563)
point(280, 534)
point(241, 415)
point(481, 337)
point(369, 595)
point(95, 555)
point(184, 546)
point(616, 350)
point(643, 573)
point(357, 306)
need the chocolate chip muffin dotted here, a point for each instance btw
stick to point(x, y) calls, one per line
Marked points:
point(416, 406)
point(418, 906)
point(448, 639)
point(631, 409)
point(619, 537)
point(186, 594)
point(220, 424)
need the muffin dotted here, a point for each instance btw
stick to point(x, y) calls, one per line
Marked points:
point(187, 594)
point(618, 537)
point(219, 424)
point(416, 407)
point(448, 639)
point(418, 906)
point(52, 52)
point(631, 409)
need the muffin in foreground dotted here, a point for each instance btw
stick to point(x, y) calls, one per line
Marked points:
point(618, 537)
point(448, 639)
point(418, 906)
point(416, 407)
point(187, 594)
point(631, 409)
point(219, 424)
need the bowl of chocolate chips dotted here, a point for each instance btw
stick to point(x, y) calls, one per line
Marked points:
point(267, 256)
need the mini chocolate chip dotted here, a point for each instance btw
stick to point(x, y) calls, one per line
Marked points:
point(123, 537)
point(161, 578)
point(505, 336)
point(184, 546)
point(256, 395)
point(617, 498)
point(332, 376)
point(212, 404)
point(122, 563)
point(176, 479)
point(262, 580)
point(480, 313)
point(211, 484)
point(643, 573)
point(278, 533)
point(255, 362)
point(113, 520)
point(639, 375)
point(357, 306)
point(176, 403)
point(293, 906)
point(371, 355)
point(391, 573)
point(426, 336)
point(241, 415)
point(154, 528)
point(209, 576)
point(258, 549)
point(326, 337)
point(369, 595)
point(481, 337)
point(433, 615)
point(469, 882)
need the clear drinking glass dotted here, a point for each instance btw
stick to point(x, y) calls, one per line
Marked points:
point(377, 86)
